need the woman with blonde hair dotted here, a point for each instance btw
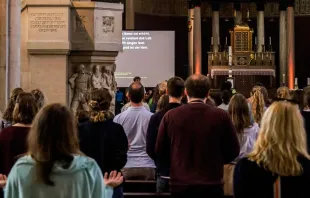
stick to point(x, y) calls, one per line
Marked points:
point(280, 162)
point(39, 96)
point(257, 105)
point(247, 132)
point(283, 92)
point(163, 102)
point(54, 165)
point(158, 92)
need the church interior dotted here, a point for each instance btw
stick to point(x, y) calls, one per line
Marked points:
point(67, 51)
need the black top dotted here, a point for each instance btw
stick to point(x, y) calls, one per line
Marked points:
point(162, 164)
point(306, 115)
point(105, 142)
point(251, 180)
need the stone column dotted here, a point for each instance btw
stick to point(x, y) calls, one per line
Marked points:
point(14, 45)
point(260, 26)
point(238, 14)
point(130, 15)
point(197, 37)
point(291, 45)
point(3, 54)
point(283, 45)
point(216, 25)
point(190, 39)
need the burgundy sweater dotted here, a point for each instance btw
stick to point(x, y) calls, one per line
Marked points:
point(13, 141)
point(201, 139)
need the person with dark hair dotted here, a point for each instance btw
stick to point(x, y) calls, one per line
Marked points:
point(175, 90)
point(128, 104)
point(7, 118)
point(306, 115)
point(226, 95)
point(54, 166)
point(13, 138)
point(101, 138)
point(135, 121)
point(39, 96)
point(200, 139)
point(137, 79)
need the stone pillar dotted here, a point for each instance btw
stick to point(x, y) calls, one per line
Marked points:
point(260, 26)
point(216, 25)
point(291, 45)
point(130, 14)
point(238, 14)
point(197, 37)
point(190, 39)
point(283, 45)
point(14, 44)
point(3, 36)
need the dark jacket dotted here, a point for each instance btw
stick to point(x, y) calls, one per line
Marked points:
point(106, 142)
point(306, 116)
point(13, 142)
point(201, 139)
point(251, 180)
point(162, 164)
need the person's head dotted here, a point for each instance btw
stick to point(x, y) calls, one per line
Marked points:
point(99, 103)
point(283, 92)
point(160, 90)
point(137, 79)
point(175, 87)
point(226, 86)
point(8, 113)
point(265, 95)
point(52, 138)
point(307, 99)
point(25, 109)
point(81, 69)
point(226, 95)
point(163, 102)
point(38, 95)
point(298, 96)
point(136, 92)
point(197, 86)
point(281, 140)
point(258, 104)
point(238, 110)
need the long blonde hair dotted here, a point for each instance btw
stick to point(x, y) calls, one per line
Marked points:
point(281, 140)
point(258, 103)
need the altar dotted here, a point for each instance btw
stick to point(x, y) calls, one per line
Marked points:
point(241, 62)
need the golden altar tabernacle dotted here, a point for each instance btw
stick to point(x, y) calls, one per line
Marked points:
point(242, 62)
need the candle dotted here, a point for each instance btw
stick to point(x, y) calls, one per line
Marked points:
point(212, 40)
point(308, 81)
point(230, 56)
point(255, 56)
point(248, 14)
point(226, 40)
point(255, 40)
point(283, 79)
point(212, 57)
point(270, 40)
point(296, 81)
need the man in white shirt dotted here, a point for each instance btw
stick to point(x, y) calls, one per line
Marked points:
point(135, 121)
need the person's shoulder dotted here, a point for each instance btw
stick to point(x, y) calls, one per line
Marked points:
point(6, 132)
point(22, 167)
point(246, 165)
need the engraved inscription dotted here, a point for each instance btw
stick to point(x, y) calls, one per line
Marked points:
point(47, 22)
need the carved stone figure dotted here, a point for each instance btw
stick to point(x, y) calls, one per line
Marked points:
point(97, 78)
point(81, 84)
point(110, 84)
point(107, 24)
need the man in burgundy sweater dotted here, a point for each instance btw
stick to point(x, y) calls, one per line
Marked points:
point(201, 139)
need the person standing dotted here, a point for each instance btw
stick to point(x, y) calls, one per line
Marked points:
point(201, 139)
point(175, 90)
point(135, 121)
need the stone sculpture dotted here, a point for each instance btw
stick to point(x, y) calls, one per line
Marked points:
point(80, 83)
point(97, 78)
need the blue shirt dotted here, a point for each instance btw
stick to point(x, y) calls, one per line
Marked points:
point(83, 179)
point(135, 121)
point(119, 96)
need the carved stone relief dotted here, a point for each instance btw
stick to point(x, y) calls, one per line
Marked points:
point(79, 24)
point(86, 78)
point(108, 24)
